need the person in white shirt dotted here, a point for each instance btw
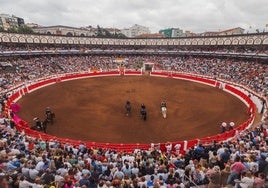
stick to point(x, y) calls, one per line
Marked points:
point(119, 174)
point(135, 170)
point(33, 173)
point(253, 166)
point(37, 183)
point(63, 170)
point(220, 150)
point(231, 125)
point(223, 127)
point(59, 180)
point(24, 183)
point(39, 165)
point(168, 147)
point(25, 170)
point(177, 148)
point(247, 181)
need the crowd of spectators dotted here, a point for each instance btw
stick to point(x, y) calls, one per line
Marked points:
point(251, 74)
point(21, 70)
point(84, 48)
point(31, 162)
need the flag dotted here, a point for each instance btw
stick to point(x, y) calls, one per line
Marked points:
point(15, 107)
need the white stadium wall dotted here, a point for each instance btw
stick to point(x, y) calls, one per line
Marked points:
point(233, 40)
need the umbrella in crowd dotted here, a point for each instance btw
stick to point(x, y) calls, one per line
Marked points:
point(15, 107)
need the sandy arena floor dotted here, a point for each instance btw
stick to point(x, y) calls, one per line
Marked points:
point(93, 109)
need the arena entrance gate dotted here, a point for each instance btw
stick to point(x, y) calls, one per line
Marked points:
point(148, 67)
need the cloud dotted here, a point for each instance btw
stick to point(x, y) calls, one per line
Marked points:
point(197, 16)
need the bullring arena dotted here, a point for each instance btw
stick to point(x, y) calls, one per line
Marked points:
point(205, 82)
point(93, 109)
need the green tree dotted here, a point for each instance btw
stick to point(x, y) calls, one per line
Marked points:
point(12, 29)
point(99, 31)
point(2, 29)
point(115, 35)
point(121, 35)
point(25, 29)
point(107, 33)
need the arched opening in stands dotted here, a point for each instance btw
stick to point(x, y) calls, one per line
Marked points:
point(82, 34)
point(69, 34)
point(49, 33)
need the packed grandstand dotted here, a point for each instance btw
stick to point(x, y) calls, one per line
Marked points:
point(31, 161)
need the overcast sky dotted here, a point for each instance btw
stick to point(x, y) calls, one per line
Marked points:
point(193, 15)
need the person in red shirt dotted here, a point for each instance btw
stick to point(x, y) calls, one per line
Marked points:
point(31, 146)
point(236, 170)
point(259, 182)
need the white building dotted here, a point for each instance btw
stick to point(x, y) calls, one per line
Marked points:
point(173, 32)
point(233, 31)
point(7, 21)
point(32, 25)
point(135, 30)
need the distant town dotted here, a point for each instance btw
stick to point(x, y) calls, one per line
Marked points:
point(13, 23)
